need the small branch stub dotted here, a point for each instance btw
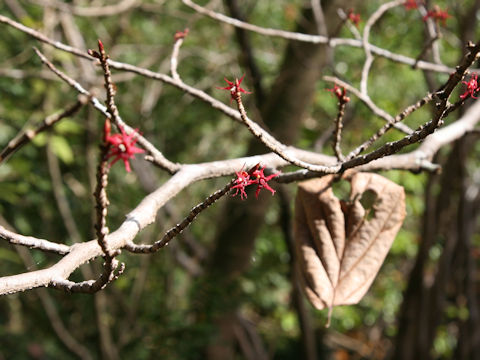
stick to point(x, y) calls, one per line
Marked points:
point(343, 99)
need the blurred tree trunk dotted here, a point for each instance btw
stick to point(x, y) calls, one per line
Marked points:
point(282, 113)
point(309, 343)
point(466, 281)
point(449, 221)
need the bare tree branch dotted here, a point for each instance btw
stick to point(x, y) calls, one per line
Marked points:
point(177, 229)
point(157, 156)
point(179, 37)
point(365, 41)
point(33, 243)
point(184, 175)
point(317, 39)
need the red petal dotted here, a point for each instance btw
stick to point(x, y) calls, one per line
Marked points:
point(228, 82)
point(127, 165)
point(100, 45)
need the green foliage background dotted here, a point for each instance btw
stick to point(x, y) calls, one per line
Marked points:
point(159, 323)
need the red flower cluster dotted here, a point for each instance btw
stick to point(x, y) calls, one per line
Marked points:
point(254, 176)
point(122, 146)
point(354, 18)
point(472, 87)
point(410, 4)
point(437, 14)
point(234, 87)
point(340, 93)
point(181, 34)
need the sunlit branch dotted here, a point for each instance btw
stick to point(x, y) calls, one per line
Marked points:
point(33, 243)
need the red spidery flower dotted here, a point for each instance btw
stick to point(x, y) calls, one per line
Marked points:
point(234, 87)
point(354, 18)
point(181, 34)
point(254, 176)
point(410, 4)
point(437, 14)
point(261, 180)
point(472, 87)
point(340, 93)
point(243, 180)
point(122, 146)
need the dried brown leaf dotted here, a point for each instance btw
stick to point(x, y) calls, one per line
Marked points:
point(341, 246)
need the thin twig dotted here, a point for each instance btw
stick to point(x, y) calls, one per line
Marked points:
point(422, 132)
point(370, 104)
point(353, 29)
point(316, 39)
point(74, 37)
point(246, 51)
point(366, 44)
point(276, 146)
point(428, 128)
point(33, 243)
point(27, 136)
point(341, 94)
point(179, 36)
point(458, 104)
point(156, 156)
point(109, 86)
point(177, 229)
point(433, 32)
point(90, 286)
point(103, 168)
point(319, 17)
point(111, 264)
point(410, 109)
point(38, 35)
point(101, 201)
point(337, 134)
point(194, 92)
